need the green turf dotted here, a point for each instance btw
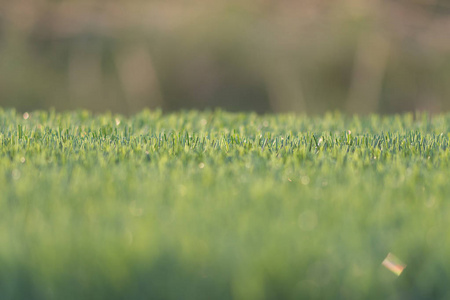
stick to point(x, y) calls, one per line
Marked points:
point(223, 206)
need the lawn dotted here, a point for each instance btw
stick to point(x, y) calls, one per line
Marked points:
point(215, 205)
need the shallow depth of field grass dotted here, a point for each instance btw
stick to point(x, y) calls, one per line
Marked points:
point(223, 206)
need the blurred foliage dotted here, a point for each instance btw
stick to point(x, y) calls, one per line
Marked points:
point(260, 55)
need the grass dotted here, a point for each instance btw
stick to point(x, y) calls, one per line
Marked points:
point(216, 205)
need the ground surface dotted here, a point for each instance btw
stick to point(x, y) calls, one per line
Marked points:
point(220, 206)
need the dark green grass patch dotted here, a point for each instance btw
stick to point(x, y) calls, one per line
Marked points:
point(223, 206)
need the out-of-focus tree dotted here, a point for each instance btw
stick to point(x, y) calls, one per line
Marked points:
point(303, 56)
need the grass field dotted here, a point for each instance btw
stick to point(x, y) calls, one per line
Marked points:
point(223, 206)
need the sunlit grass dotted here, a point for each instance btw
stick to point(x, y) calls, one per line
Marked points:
point(217, 206)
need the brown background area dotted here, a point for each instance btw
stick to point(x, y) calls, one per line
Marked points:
point(252, 55)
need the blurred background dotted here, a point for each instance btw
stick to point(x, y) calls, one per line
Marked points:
point(307, 56)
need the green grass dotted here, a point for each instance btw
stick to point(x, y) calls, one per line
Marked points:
point(223, 206)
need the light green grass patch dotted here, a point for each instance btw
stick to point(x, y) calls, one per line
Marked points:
point(216, 205)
